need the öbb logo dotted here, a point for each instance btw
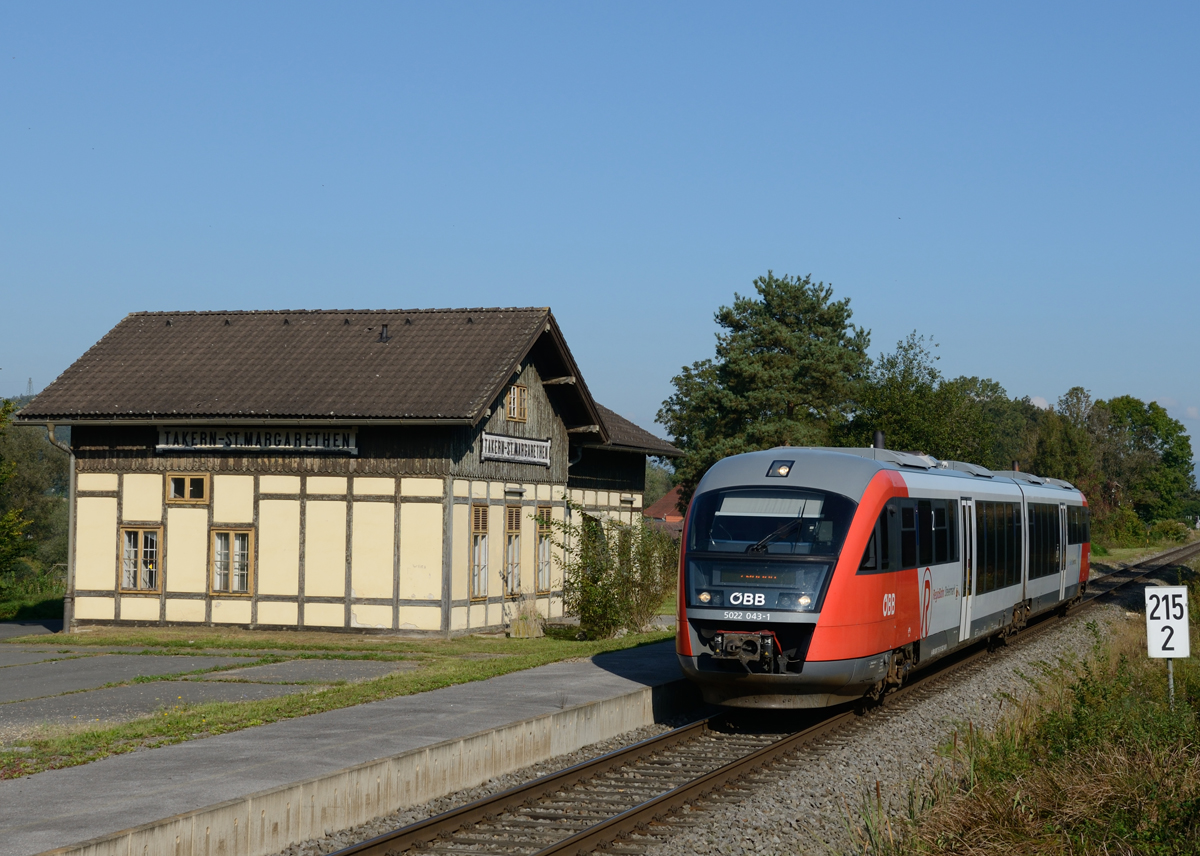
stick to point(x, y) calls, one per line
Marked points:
point(889, 604)
point(747, 599)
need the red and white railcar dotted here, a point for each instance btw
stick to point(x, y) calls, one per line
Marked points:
point(812, 577)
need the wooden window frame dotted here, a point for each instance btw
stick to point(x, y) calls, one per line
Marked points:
point(512, 541)
point(544, 527)
point(212, 561)
point(185, 501)
point(478, 571)
point(518, 403)
point(158, 570)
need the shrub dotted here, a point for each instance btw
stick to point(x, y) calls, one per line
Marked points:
point(615, 575)
point(1169, 530)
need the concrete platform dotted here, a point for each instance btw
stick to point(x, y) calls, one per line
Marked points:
point(256, 791)
point(30, 627)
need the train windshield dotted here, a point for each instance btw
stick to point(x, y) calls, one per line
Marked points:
point(765, 548)
point(770, 522)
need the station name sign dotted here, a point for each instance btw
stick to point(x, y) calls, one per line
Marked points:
point(224, 438)
point(518, 450)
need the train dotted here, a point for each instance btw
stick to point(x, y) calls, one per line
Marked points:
point(813, 577)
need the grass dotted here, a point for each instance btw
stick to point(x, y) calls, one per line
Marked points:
point(1131, 555)
point(444, 662)
point(1094, 762)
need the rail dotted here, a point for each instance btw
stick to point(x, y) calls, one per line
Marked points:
point(597, 803)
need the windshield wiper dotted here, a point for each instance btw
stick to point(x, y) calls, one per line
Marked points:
point(761, 546)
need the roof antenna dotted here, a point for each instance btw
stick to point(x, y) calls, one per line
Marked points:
point(879, 440)
point(1016, 466)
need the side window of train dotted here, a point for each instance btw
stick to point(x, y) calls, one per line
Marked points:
point(908, 534)
point(877, 554)
point(997, 545)
point(945, 531)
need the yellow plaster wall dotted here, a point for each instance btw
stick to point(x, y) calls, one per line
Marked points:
point(478, 490)
point(278, 613)
point(98, 608)
point(142, 497)
point(327, 484)
point(458, 618)
point(528, 550)
point(324, 615)
point(233, 499)
point(420, 618)
point(374, 486)
point(231, 611)
point(279, 484)
point(496, 490)
point(186, 566)
point(478, 614)
point(185, 610)
point(139, 608)
point(495, 613)
point(96, 543)
point(543, 491)
point(558, 492)
point(462, 488)
point(325, 550)
point(421, 551)
point(460, 574)
point(278, 546)
point(420, 487)
point(96, 481)
point(372, 550)
point(366, 615)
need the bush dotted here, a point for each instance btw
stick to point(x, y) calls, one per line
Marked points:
point(1099, 763)
point(1169, 530)
point(615, 575)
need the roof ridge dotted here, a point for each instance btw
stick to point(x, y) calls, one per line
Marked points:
point(160, 313)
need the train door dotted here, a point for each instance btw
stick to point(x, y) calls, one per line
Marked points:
point(1062, 550)
point(968, 566)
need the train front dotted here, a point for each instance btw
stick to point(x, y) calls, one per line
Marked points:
point(762, 539)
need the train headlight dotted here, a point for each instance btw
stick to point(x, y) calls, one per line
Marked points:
point(780, 469)
point(804, 600)
point(705, 597)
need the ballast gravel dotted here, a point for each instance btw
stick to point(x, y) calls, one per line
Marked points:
point(811, 803)
point(815, 806)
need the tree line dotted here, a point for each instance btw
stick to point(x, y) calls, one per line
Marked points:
point(33, 508)
point(791, 369)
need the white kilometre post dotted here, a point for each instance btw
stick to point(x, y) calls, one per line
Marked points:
point(1167, 634)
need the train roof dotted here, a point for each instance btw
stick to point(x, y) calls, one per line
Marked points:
point(847, 471)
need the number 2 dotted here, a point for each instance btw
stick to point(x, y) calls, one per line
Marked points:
point(1170, 635)
point(1154, 612)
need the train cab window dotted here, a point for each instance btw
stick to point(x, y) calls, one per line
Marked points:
point(877, 553)
point(770, 521)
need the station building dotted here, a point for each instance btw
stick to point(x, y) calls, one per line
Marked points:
point(381, 470)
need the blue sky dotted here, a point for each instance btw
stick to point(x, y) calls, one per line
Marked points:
point(1019, 181)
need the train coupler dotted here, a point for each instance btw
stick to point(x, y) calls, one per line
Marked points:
point(757, 649)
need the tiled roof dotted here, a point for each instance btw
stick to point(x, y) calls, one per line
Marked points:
point(623, 433)
point(666, 508)
point(439, 364)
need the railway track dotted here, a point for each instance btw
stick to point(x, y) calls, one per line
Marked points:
point(625, 800)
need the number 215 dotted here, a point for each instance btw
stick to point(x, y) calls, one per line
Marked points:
point(1172, 606)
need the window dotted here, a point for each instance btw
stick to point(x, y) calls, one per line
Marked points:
point(232, 556)
point(544, 530)
point(479, 551)
point(1044, 540)
point(518, 403)
point(139, 559)
point(908, 536)
point(1077, 524)
point(189, 488)
point(876, 556)
point(997, 545)
point(512, 551)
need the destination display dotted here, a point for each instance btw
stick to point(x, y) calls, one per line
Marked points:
point(518, 450)
point(224, 438)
